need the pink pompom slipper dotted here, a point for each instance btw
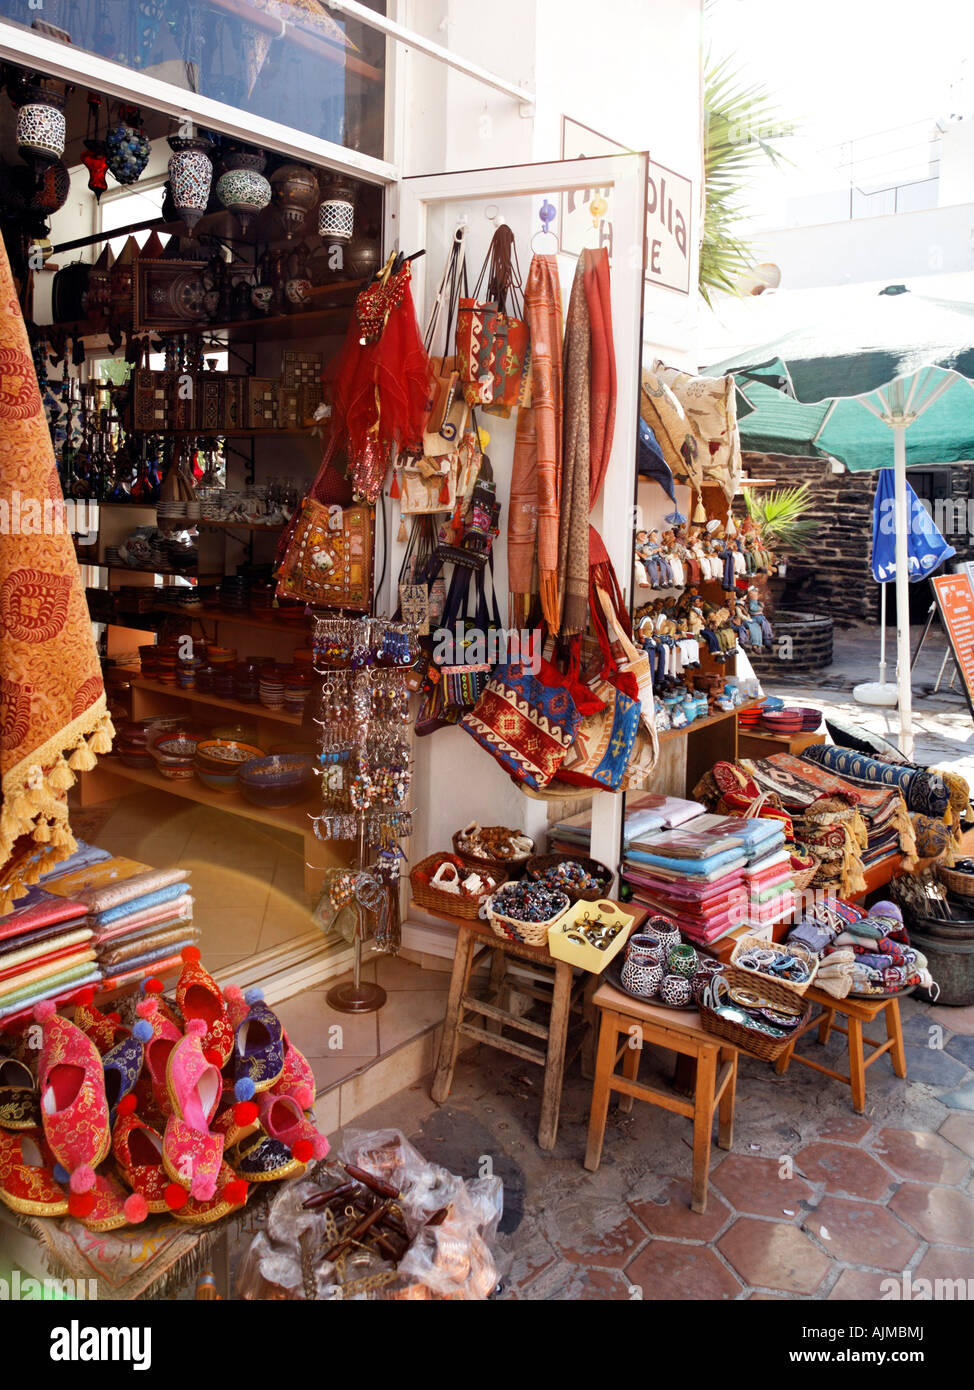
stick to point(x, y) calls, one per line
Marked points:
point(191, 1153)
point(297, 1080)
point(165, 1036)
point(74, 1110)
point(283, 1119)
point(198, 997)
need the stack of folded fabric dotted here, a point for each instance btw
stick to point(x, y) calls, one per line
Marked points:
point(713, 875)
point(866, 954)
point(142, 918)
point(46, 952)
point(645, 812)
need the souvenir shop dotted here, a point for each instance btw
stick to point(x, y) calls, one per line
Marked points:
point(391, 545)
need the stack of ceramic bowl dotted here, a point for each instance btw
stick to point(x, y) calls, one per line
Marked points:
point(750, 718)
point(234, 593)
point(784, 722)
point(219, 760)
point(149, 658)
point(246, 681)
point(271, 687)
point(262, 598)
point(174, 754)
point(284, 779)
point(186, 672)
point(297, 688)
point(167, 660)
point(167, 511)
point(811, 719)
point(131, 744)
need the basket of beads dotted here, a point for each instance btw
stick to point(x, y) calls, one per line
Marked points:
point(523, 912)
point(581, 878)
point(442, 883)
point(493, 846)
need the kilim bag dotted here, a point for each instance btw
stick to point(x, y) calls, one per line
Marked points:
point(328, 560)
point(492, 345)
point(526, 722)
point(429, 485)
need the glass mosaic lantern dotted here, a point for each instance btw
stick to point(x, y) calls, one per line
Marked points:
point(336, 214)
point(127, 147)
point(295, 194)
point(242, 188)
point(190, 176)
point(41, 127)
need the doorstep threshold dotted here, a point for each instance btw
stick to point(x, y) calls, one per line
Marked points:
point(285, 970)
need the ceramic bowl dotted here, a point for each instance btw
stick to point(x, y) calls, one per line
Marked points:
point(223, 755)
point(218, 781)
point(282, 780)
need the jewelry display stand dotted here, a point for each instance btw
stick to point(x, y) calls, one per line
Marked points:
point(365, 760)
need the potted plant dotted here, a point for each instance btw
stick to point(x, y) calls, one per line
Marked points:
point(786, 527)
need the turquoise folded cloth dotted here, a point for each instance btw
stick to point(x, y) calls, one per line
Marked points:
point(134, 905)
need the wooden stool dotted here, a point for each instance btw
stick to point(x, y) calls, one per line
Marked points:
point(625, 1021)
point(563, 994)
point(858, 1012)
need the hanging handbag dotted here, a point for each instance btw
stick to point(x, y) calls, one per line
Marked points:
point(600, 754)
point(448, 408)
point(526, 722)
point(429, 485)
point(474, 640)
point(328, 559)
point(492, 344)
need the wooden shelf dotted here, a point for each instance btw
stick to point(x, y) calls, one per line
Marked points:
point(293, 818)
point(217, 615)
point(706, 723)
point(253, 711)
point(273, 530)
point(303, 432)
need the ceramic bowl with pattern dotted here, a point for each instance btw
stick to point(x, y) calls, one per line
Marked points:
point(285, 779)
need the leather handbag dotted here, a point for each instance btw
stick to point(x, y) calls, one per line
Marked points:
point(474, 637)
point(448, 408)
point(327, 561)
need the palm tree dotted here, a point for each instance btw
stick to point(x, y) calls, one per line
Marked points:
point(737, 117)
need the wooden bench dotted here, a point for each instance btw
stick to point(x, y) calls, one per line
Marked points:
point(857, 1012)
point(625, 1025)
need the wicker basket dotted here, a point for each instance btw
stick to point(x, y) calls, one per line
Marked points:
point(803, 878)
point(960, 883)
point(749, 1040)
point(527, 933)
point(513, 868)
point(437, 900)
point(537, 864)
point(746, 943)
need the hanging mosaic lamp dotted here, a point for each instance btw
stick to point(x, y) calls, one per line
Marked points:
point(94, 159)
point(41, 127)
point(242, 188)
point(336, 215)
point(51, 191)
point(295, 194)
point(127, 146)
point(190, 176)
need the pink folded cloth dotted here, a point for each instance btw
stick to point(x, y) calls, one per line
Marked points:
point(114, 894)
point(163, 912)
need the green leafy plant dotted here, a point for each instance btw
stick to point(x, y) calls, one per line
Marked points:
point(738, 117)
point(782, 517)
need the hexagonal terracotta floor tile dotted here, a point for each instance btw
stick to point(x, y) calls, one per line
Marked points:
point(942, 1215)
point(959, 1131)
point(917, 1154)
point(673, 1217)
point(755, 1186)
point(613, 1249)
point(942, 1263)
point(861, 1233)
point(846, 1129)
point(668, 1270)
point(843, 1169)
point(774, 1256)
point(858, 1286)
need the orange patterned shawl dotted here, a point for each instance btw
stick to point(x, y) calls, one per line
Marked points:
point(534, 505)
point(53, 718)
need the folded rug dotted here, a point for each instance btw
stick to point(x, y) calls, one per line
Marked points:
point(922, 790)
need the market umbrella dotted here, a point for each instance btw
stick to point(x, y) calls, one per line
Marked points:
point(926, 551)
point(895, 363)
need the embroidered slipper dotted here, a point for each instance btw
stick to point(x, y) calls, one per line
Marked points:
point(260, 1159)
point(74, 1111)
point(234, 1120)
point(137, 1148)
point(104, 1030)
point(296, 1080)
point(165, 1036)
point(111, 1207)
point(283, 1119)
point(191, 1153)
point(231, 1194)
point(258, 1054)
point(198, 997)
point(122, 1065)
point(27, 1183)
point(20, 1101)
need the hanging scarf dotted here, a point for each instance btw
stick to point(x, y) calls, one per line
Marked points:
point(573, 491)
point(381, 382)
point(533, 516)
point(602, 410)
point(53, 718)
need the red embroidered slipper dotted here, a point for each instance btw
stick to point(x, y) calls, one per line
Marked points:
point(283, 1119)
point(165, 1036)
point(231, 1194)
point(191, 1152)
point(104, 1030)
point(74, 1110)
point(138, 1152)
point(111, 1207)
point(198, 997)
point(27, 1183)
point(297, 1080)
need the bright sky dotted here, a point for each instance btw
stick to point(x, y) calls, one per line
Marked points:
point(877, 72)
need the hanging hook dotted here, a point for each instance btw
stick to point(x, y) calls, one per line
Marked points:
point(546, 215)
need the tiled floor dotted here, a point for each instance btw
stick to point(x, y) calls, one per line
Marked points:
point(813, 1202)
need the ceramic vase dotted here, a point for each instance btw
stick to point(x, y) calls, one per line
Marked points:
point(190, 176)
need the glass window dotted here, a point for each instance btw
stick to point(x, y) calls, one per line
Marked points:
point(286, 60)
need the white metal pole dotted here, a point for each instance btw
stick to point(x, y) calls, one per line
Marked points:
point(903, 673)
point(882, 634)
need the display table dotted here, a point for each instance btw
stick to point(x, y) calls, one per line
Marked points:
point(558, 990)
point(625, 1021)
point(856, 1012)
point(761, 743)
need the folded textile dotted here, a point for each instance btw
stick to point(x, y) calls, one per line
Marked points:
point(922, 791)
point(37, 909)
point(811, 934)
point(111, 896)
point(679, 844)
point(178, 909)
point(673, 811)
point(39, 951)
point(129, 976)
point(83, 857)
point(695, 868)
point(702, 891)
point(73, 980)
point(778, 859)
point(150, 958)
point(175, 938)
point(33, 938)
point(80, 963)
point(165, 894)
point(753, 833)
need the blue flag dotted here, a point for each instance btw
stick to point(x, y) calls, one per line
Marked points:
point(926, 548)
